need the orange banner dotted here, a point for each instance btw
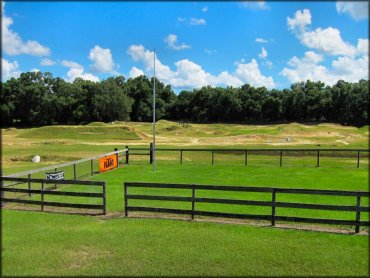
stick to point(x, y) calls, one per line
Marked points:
point(108, 163)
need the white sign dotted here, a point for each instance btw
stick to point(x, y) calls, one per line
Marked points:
point(55, 176)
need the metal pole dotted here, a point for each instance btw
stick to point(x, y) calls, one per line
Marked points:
point(116, 149)
point(358, 159)
point(127, 155)
point(92, 167)
point(318, 158)
point(154, 114)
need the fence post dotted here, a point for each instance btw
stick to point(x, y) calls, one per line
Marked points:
point(192, 201)
point(104, 200)
point(358, 159)
point(127, 155)
point(318, 158)
point(42, 196)
point(246, 157)
point(358, 203)
point(151, 153)
point(55, 185)
point(273, 207)
point(92, 167)
point(213, 157)
point(74, 171)
point(116, 149)
point(281, 158)
point(125, 197)
point(29, 184)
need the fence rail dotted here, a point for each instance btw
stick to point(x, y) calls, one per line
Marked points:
point(273, 217)
point(72, 163)
point(248, 151)
point(46, 191)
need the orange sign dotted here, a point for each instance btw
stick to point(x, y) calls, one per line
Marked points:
point(108, 163)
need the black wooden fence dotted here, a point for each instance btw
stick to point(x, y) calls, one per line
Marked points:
point(50, 191)
point(318, 153)
point(273, 217)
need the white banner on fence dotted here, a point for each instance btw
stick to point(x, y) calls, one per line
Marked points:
point(55, 176)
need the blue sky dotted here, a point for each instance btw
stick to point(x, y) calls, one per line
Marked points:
point(271, 44)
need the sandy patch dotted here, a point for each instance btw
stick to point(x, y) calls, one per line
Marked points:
point(85, 256)
point(341, 141)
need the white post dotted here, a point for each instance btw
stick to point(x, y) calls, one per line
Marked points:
point(154, 115)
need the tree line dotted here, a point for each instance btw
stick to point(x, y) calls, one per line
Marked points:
point(37, 99)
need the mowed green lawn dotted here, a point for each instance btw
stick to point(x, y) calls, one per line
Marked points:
point(46, 244)
point(36, 243)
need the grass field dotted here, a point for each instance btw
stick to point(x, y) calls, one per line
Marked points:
point(58, 144)
point(44, 243)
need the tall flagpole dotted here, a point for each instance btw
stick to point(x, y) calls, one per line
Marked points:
point(154, 116)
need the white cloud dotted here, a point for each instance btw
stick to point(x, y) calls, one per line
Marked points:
point(76, 70)
point(171, 41)
point(263, 54)
point(357, 10)
point(47, 62)
point(103, 61)
point(35, 70)
point(251, 74)
point(197, 21)
point(74, 73)
point(135, 72)
point(328, 41)
point(210, 51)
point(192, 21)
point(188, 74)
point(205, 9)
point(363, 47)
point(268, 64)
point(12, 43)
point(261, 40)
point(300, 20)
point(352, 69)
point(308, 68)
point(9, 69)
point(255, 5)
point(227, 79)
point(71, 64)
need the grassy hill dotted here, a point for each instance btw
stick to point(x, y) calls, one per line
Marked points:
point(56, 144)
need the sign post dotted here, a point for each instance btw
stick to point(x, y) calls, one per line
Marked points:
point(154, 115)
